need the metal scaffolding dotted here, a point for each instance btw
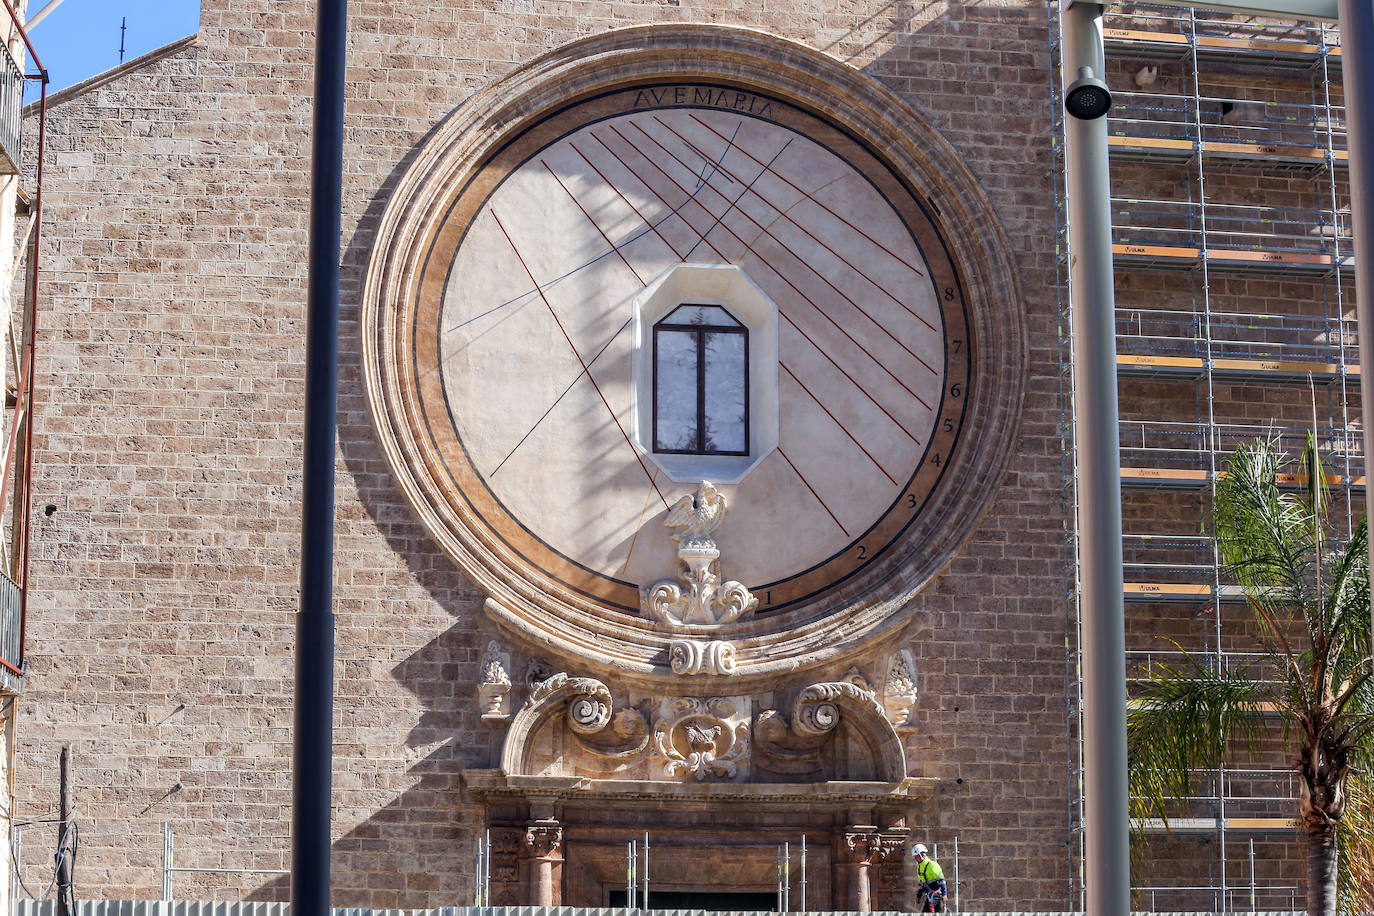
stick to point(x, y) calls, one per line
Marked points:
point(1231, 240)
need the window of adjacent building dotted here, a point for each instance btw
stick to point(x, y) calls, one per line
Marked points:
point(701, 382)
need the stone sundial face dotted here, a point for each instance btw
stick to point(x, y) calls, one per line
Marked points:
point(592, 308)
point(535, 338)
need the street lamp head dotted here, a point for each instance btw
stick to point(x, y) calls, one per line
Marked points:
point(1088, 97)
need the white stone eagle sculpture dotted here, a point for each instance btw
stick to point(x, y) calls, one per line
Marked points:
point(698, 597)
point(697, 515)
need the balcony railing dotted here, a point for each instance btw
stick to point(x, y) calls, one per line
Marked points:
point(11, 113)
point(11, 625)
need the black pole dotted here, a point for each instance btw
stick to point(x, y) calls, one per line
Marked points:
point(314, 751)
point(64, 828)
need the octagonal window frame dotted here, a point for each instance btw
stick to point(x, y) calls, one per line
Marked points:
point(729, 287)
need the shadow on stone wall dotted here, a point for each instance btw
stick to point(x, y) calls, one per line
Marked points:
point(977, 73)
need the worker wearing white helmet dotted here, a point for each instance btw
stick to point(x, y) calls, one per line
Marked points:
point(930, 878)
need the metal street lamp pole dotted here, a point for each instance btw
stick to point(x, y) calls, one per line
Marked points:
point(1357, 45)
point(312, 766)
point(1093, 319)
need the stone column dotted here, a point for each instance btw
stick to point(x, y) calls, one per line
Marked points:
point(867, 847)
point(543, 848)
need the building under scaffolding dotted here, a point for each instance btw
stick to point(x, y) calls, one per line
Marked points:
point(1235, 322)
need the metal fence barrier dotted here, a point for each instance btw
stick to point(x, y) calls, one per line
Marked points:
point(209, 908)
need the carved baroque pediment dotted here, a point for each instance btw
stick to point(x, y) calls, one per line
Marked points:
point(574, 726)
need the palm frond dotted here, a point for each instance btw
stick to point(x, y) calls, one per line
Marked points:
point(1181, 723)
point(1263, 534)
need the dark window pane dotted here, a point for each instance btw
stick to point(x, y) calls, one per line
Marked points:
point(712, 315)
point(726, 384)
point(675, 391)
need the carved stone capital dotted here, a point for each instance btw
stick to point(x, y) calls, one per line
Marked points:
point(870, 847)
point(543, 840)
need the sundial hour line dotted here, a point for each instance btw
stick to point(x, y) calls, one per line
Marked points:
point(621, 194)
point(747, 187)
point(587, 368)
point(761, 259)
point(803, 261)
point(862, 390)
point(785, 214)
point(573, 347)
point(844, 429)
point(542, 417)
point(895, 256)
point(598, 229)
point(605, 254)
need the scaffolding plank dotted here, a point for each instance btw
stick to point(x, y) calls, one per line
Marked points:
point(1300, 480)
point(1286, 48)
point(1271, 151)
point(1264, 367)
point(1270, 257)
point(1175, 148)
point(1156, 254)
point(1172, 590)
point(1284, 824)
point(1162, 477)
point(1230, 258)
point(1220, 46)
point(1151, 366)
point(1179, 825)
point(1209, 824)
point(1141, 35)
point(1151, 143)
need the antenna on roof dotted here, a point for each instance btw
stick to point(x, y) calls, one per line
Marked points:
point(122, 21)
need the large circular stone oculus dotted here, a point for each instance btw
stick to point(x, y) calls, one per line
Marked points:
point(501, 340)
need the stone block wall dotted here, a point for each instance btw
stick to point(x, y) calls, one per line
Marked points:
point(168, 481)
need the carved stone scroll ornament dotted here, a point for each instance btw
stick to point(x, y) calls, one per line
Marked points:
point(817, 710)
point(690, 657)
point(795, 748)
point(856, 677)
point(702, 738)
point(697, 596)
point(588, 709)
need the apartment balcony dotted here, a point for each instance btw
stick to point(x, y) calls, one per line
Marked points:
point(11, 113)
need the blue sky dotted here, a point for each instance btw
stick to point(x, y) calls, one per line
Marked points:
point(81, 37)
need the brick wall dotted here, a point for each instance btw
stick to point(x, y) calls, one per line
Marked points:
point(171, 382)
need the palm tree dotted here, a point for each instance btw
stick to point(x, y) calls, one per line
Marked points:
point(1310, 680)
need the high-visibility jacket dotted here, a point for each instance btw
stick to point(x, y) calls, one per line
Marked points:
point(929, 871)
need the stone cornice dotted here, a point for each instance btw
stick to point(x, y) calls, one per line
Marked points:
point(493, 784)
